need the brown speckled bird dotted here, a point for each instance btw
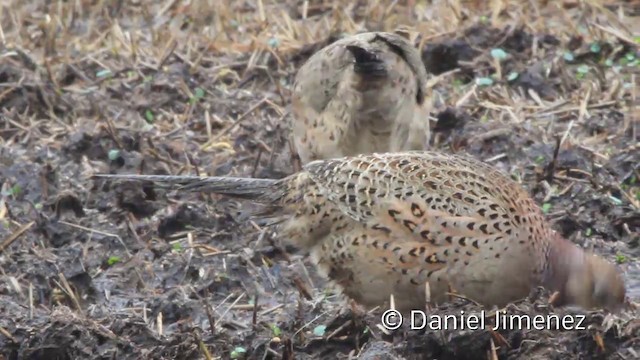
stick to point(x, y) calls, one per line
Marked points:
point(383, 224)
point(361, 94)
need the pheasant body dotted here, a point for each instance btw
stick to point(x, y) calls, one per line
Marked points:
point(382, 224)
point(362, 94)
point(448, 220)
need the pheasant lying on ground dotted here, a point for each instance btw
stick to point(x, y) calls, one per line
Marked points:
point(362, 94)
point(387, 223)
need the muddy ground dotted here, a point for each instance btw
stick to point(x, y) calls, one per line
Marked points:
point(89, 270)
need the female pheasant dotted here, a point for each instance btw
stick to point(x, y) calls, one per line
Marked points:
point(382, 224)
point(361, 94)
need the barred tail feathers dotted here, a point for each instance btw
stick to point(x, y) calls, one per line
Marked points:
point(259, 190)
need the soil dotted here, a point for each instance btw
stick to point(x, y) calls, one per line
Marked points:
point(91, 270)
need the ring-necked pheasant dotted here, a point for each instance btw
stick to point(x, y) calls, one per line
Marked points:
point(387, 223)
point(361, 94)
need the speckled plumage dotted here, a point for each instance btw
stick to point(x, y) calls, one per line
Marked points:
point(387, 223)
point(361, 94)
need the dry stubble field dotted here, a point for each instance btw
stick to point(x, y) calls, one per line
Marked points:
point(546, 91)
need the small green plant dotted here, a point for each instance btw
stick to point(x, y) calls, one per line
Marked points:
point(581, 71)
point(238, 352)
point(498, 54)
point(148, 115)
point(484, 81)
point(197, 95)
point(16, 190)
point(113, 260)
point(615, 200)
point(12, 191)
point(319, 330)
point(568, 56)
point(457, 84)
point(113, 154)
point(276, 330)
point(104, 73)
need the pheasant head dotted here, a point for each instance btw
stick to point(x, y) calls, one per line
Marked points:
point(584, 279)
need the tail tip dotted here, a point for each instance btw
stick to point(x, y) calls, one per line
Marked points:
point(366, 62)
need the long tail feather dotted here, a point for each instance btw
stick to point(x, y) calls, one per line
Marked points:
point(246, 188)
